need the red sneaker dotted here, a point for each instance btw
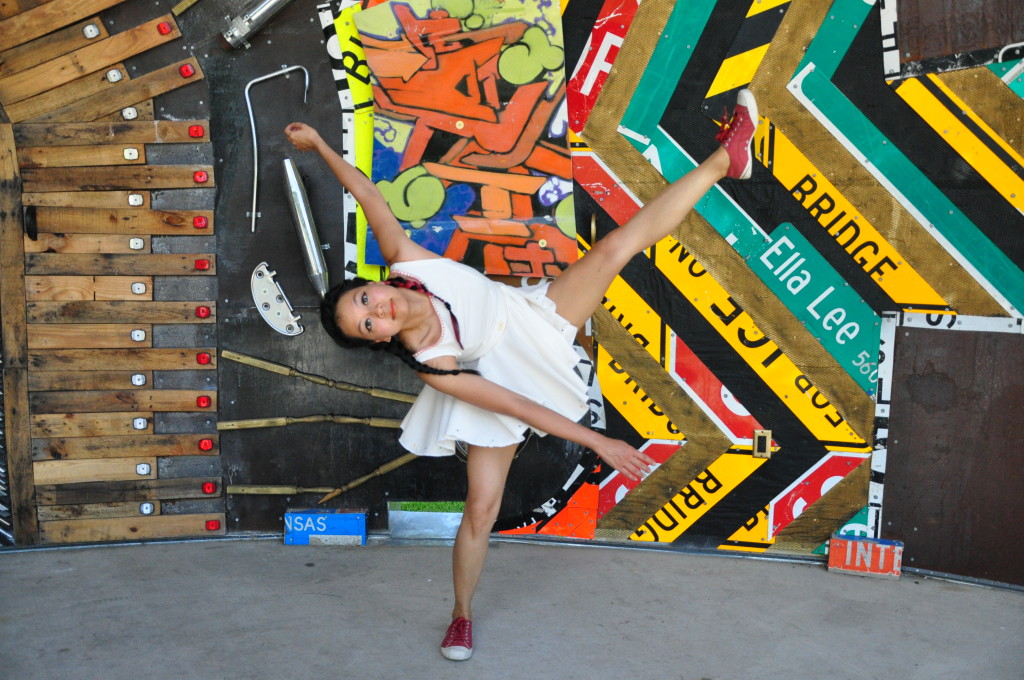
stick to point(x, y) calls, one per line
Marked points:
point(737, 133)
point(458, 641)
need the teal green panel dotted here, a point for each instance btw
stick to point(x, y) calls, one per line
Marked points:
point(833, 39)
point(832, 311)
point(1017, 84)
point(856, 526)
point(675, 46)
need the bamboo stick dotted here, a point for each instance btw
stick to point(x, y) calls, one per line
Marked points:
point(382, 470)
point(324, 418)
point(281, 369)
point(275, 490)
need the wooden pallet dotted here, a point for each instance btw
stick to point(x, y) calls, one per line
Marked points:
point(77, 275)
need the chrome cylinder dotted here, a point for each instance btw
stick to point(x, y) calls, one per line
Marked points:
point(252, 19)
point(316, 267)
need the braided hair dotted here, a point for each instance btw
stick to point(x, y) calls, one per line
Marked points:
point(394, 346)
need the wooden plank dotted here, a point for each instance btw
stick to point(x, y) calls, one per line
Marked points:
point(87, 336)
point(158, 445)
point(125, 93)
point(98, 56)
point(145, 111)
point(163, 264)
point(117, 311)
point(87, 288)
point(9, 8)
point(84, 380)
point(116, 178)
point(128, 491)
point(49, 513)
point(110, 244)
point(14, 344)
point(155, 359)
point(89, 424)
point(88, 470)
point(94, 84)
point(12, 254)
point(124, 132)
point(77, 156)
point(86, 199)
point(40, 20)
point(174, 401)
point(49, 46)
point(130, 528)
point(124, 221)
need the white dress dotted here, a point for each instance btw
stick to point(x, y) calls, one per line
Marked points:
point(512, 336)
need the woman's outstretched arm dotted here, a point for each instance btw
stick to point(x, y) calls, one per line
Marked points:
point(483, 393)
point(395, 244)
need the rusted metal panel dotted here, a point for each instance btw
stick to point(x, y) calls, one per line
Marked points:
point(954, 476)
point(952, 30)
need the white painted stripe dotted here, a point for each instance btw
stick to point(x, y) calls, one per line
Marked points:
point(982, 324)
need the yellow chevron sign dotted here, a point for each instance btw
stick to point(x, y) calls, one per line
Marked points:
point(637, 317)
point(858, 237)
point(752, 536)
point(629, 399)
point(760, 352)
point(696, 498)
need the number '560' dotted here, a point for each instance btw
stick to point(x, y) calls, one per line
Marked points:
point(866, 366)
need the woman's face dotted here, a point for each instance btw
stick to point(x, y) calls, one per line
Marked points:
point(371, 312)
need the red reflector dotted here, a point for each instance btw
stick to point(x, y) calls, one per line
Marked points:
point(187, 70)
point(203, 312)
point(203, 358)
point(203, 401)
point(163, 28)
point(202, 265)
point(210, 487)
point(200, 176)
point(206, 445)
point(196, 131)
point(200, 222)
point(212, 524)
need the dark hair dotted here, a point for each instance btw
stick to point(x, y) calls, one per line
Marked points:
point(394, 346)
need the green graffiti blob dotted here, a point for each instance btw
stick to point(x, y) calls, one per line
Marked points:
point(414, 196)
point(534, 54)
point(565, 217)
point(473, 15)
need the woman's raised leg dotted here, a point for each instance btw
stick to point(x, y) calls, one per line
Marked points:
point(487, 470)
point(580, 288)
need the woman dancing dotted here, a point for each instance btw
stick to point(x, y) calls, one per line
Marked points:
point(498, 360)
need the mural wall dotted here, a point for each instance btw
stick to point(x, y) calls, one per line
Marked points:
point(879, 195)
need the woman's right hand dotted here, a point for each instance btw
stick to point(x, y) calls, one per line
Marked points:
point(631, 463)
point(303, 137)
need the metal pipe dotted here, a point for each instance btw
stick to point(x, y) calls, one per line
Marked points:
point(316, 267)
point(252, 124)
point(252, 19)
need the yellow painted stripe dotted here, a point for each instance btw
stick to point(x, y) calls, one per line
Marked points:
point(362, 100)
point(754, 531)
point(697, 498)
point(977, 120)
point(737, 71)
point(835, 213)
point(636, 316)
point(758, 6)
point(1004, 180)
point(630, 400)
point(761, 353)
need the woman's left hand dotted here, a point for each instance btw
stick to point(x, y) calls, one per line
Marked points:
point(633, 464)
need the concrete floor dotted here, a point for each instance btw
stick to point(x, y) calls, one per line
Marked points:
point(257, 609)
